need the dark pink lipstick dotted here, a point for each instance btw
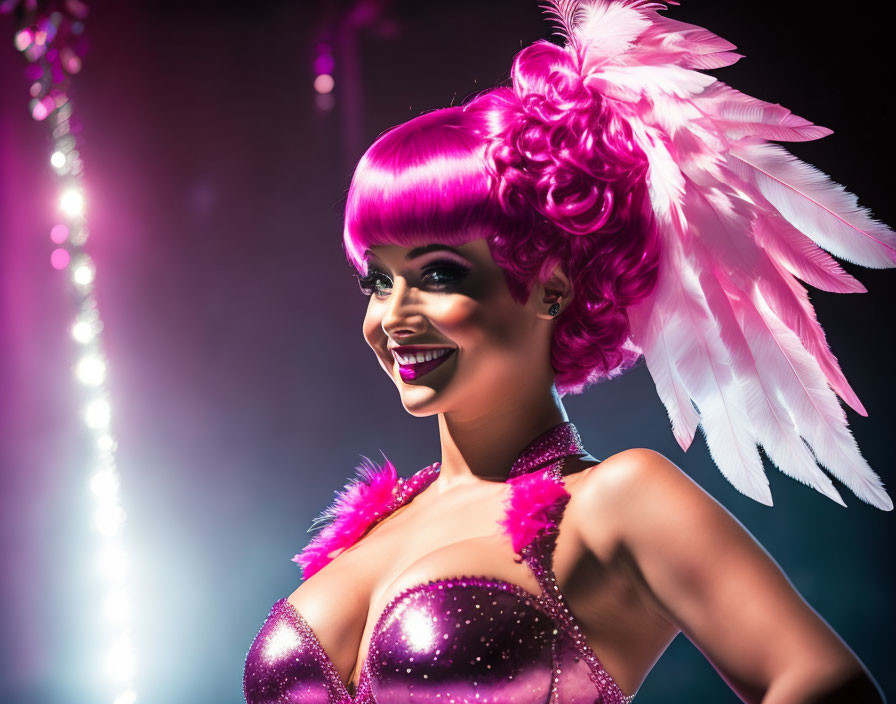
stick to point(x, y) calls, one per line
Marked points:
point(411, 370)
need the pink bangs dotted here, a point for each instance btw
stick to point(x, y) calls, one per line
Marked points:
point(423, 181)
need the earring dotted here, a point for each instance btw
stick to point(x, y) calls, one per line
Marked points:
point(555, 308)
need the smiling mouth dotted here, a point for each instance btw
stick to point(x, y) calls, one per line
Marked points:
point(410, 369)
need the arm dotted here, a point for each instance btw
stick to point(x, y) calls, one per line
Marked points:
point(721, 588)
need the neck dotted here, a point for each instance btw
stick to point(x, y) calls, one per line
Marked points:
point(484, 448)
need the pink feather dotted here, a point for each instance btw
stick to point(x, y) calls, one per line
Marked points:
point(535, 504)
point(729, 335)
point(801, 256)
point(364, 500)
point(650, 326)
point(771, 423)
point(815, 205)
point(740, 115)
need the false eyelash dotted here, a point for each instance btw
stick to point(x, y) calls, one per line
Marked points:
point(366, 283)
point(457, 270)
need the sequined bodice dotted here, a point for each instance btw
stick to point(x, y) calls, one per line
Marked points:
point(463, 639)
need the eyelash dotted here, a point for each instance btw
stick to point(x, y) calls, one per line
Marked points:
point(457, 272)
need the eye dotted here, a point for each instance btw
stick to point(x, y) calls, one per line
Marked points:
point(440, 275)
point(376, 282)
point(444, 274)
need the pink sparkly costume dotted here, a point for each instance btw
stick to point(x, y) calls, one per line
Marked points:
point(464, 639)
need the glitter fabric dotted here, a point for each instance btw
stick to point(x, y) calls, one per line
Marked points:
point(459, 640)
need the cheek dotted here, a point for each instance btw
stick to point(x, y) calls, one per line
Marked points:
point(481, 326)
point(455, 315)
point(372, 328)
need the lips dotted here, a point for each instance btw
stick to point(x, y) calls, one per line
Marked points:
point(412, 370)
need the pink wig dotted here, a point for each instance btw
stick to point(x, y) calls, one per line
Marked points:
point(546, 174)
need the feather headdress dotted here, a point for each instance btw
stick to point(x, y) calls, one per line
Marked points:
point(729, 335)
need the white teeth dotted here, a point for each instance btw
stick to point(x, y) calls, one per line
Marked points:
point(417, 357)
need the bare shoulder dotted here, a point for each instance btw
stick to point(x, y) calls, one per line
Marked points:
point(634, 480)
point(637, 497)
point(709, 576)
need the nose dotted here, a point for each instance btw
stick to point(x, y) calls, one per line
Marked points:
point(401, 318)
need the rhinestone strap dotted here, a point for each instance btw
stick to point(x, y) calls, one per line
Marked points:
point(559, 441)
point(539, 555)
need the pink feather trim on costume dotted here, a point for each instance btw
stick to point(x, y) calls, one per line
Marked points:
point(535, 505)
point(363, 500)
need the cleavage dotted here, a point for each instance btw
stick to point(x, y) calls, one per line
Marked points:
point(479, 550)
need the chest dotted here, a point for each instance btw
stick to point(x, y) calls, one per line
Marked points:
point(438, 596)
point(454, 599)
point(421, 544)
point(417, 544)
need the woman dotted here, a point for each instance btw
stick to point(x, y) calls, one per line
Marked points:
point(613, 202)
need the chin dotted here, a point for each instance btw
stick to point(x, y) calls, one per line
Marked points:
point(420, 398)
point(421, 414)
point(420, 401)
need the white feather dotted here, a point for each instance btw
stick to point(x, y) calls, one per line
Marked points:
point(739, 115)
point(704, 366)
point(815, 205)
point(816, 412)
point(665, 182)
point(774, 427)
point(648, 330)
point(801, 256)
point(609, 29)
point(631, 83)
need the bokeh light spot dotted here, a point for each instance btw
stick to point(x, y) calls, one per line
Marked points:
point(23, 39)
point(59, 258)
point(324, 83)
point(59, 233)
point(72, 202)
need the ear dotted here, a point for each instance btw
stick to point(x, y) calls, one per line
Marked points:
point(557, 288)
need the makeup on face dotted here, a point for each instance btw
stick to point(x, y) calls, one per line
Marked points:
point(415, 361)
point(446, 268)
point(443, 324)
point(435, 269)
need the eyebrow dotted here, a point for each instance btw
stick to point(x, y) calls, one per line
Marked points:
point(419, 251)
point(425, 249)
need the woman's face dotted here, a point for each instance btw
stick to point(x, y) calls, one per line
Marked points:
point(446, 330)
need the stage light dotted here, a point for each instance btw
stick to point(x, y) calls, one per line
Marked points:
point(108, 519)
point(113, 563)
point(104, 485)
point(126, 697)
point(98, 413)
point(82, 331)
point(83, 273)
point(117, 607)
point(53, 44)
point(106, 443)
point(72, 202)
point(120, 664)
point(91, 370)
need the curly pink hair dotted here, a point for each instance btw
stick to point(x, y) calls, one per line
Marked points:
point(547, 174)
